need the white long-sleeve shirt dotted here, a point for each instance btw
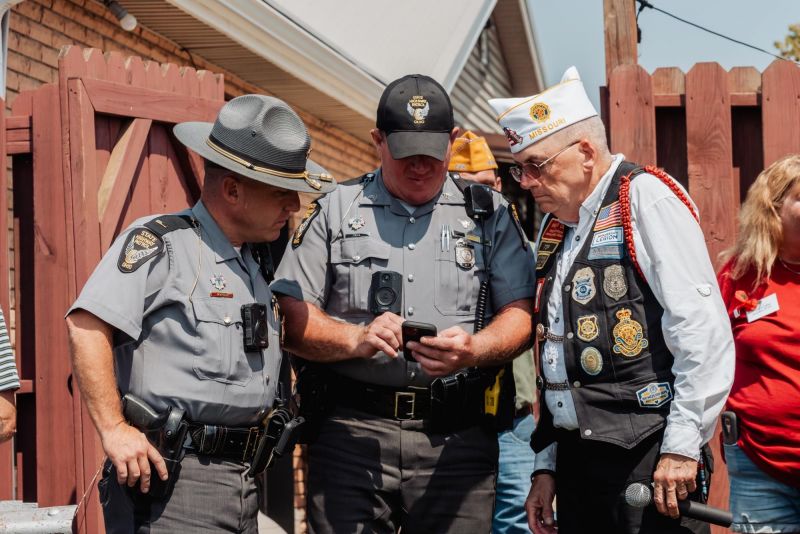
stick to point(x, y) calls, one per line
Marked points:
point(672, 254)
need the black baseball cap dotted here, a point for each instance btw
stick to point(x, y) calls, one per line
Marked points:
point(416, 115)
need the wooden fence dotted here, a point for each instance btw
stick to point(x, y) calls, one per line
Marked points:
point(91, 153)
point(714, 131)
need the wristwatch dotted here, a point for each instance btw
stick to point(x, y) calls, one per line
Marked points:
point(543, 472)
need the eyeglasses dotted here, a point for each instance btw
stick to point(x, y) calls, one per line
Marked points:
point(534, 170)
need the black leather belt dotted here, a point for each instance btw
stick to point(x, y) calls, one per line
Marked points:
point(401, 404)
point(238, 444)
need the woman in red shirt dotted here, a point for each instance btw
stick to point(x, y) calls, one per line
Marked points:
point(760, 285)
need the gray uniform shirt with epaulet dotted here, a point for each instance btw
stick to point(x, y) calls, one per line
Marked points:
point(178, 324)
point(360, 228)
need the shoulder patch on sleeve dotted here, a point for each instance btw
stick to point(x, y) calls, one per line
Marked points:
point(312, 211)
point(515, 217)
point(141, 246)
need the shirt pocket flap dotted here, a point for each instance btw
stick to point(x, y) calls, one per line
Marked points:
point(356, 249)
point(216, 310)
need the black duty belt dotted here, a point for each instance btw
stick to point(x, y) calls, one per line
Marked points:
point(401, 404)
point(238, 444)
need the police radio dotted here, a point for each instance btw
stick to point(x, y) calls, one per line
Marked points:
point(478, 201)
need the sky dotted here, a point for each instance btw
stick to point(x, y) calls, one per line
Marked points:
point(570, 32)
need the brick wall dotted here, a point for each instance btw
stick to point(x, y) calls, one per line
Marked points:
point(38, 30)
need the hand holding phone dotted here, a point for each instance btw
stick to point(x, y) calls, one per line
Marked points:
point(414, 331)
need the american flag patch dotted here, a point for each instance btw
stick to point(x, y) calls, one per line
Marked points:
point(609, 216)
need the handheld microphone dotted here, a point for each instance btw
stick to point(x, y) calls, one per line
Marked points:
point(640, 495)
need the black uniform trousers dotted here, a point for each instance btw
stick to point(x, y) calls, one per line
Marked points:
point(591, 478)
point(210, 495)
point(378, 475)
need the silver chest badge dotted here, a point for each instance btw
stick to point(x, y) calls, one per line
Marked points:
point(614, 282)
point(583, 289)
point(465, 254)
point(218, 282)
point(356, 223)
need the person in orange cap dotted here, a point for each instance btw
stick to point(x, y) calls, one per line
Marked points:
point(473, 160)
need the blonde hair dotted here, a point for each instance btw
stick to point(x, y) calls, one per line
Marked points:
point(760, 229)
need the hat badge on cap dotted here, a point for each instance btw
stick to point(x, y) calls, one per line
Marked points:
point(418, 107)
point(540, 112)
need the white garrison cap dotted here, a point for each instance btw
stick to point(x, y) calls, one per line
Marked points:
point(531, 119)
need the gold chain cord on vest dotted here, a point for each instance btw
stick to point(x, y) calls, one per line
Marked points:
point(305, 175)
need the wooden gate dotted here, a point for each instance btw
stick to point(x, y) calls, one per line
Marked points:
point(713, 130)
point(90, 154)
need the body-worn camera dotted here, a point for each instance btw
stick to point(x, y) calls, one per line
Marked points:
point(385, 292)
point(255, 326)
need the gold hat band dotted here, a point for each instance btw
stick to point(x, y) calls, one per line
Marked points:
point(305, 175)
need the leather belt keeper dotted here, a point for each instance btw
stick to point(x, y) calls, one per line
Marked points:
point(238, 444)
point(401, 404)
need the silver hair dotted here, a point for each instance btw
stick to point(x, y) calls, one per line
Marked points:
point(591, 129)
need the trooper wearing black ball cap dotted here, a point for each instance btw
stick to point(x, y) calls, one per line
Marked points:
point(384, 456)
point(161, 318)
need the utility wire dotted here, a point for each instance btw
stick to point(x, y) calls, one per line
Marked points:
point(644, 3)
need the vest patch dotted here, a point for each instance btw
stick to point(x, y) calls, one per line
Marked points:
point(551, 238)
point(610, 236)
point(654, 395)
point(614, 283)
point(608, 216)
point(583, 289)
point(312, 211)
point(610, 252)
point(588, 328)
point(140, 246)
point(591, 361)
point(629, 338)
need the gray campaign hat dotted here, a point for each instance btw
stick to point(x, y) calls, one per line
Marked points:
point(261, 138)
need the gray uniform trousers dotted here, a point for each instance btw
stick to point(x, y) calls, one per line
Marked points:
point(372, 474)
point(210, 495)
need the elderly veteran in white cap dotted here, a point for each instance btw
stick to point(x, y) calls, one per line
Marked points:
point(634, 347)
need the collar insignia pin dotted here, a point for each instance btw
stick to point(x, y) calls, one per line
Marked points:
point(356, 223)
point(218, 282)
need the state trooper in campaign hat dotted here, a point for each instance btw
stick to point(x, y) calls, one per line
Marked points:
point(403, 437)
point(164, 316)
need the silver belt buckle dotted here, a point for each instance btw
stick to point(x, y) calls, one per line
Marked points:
point(408, 396)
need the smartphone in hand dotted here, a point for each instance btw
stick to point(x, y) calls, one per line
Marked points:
point(414, 331)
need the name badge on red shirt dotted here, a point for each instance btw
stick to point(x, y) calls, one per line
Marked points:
point(767, 305)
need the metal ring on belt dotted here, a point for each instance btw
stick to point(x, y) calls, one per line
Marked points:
point(543, 332)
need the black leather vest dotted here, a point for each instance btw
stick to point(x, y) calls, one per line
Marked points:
point(618, 366)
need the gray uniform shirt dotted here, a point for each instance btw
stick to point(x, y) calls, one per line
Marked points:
point(360, 228)
point(178, 321)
